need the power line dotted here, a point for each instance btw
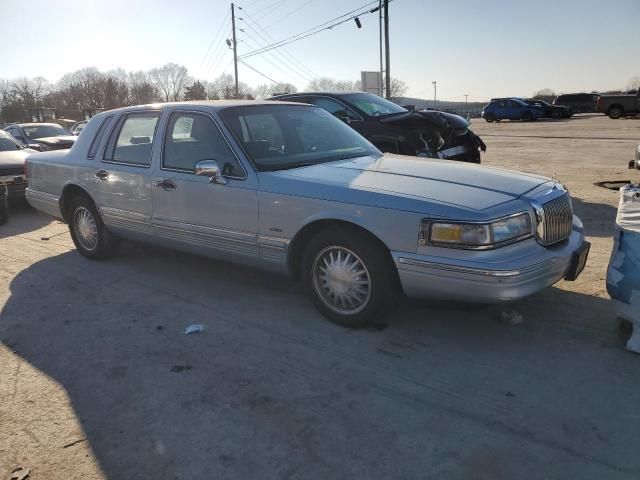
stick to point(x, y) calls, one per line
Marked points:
point(218, 53)
point(314, 30)
point(305, 79)
point(290, 13)
point(258, 72)
point(282, 52)
point(214, 41)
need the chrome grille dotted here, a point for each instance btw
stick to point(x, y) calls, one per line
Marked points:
point(557, 220)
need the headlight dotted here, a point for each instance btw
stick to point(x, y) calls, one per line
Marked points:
point(476, 235)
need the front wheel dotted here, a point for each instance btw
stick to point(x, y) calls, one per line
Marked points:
point(490, 117)
point(350, 278)
point(556, 114)
point(90, 236)
point(527, 117)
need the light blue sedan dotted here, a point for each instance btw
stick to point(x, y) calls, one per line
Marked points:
point(290, 188)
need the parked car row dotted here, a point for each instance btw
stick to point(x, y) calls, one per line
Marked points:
point(520, 109)
point(289, 187)
point(617, 106)
point(12, 174)
point(41, 136)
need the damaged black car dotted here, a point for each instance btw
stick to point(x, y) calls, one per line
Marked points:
point(395, 129)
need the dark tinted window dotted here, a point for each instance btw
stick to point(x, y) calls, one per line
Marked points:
point(42, 131)
point(192, 137)
point(334, 107)
point(132, 144)
point(7, 143)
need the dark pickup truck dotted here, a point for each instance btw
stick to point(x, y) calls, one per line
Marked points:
point(617, 106)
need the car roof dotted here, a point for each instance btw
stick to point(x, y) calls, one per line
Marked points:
point(336, 93)
point(215, 104)
point(37, 124)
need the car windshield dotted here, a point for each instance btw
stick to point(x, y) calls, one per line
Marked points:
point(7, 143)
point(278, 137)
point(43, 131)
point(373, 105)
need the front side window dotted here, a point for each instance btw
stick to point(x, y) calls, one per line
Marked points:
point(373, 105)
point(192, 137)
point(334, 108)
point(134, 138)
point(277, 137)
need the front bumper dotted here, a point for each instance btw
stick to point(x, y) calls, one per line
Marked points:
point(483, 280)
point(16, 185)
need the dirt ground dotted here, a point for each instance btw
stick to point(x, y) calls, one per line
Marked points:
point(97, 380)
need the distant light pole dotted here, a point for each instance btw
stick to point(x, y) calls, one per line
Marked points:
point(434, 93)
point(466, 103)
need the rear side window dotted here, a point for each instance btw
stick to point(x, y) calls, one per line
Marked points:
point(133, 140)
point(97, 140)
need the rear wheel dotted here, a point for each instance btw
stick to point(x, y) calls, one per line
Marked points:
point(616, 112)
point(490, 117)
point(556, 114)
point(349, 277)
point(4, 205)
point(527, 117)
point(89, 234)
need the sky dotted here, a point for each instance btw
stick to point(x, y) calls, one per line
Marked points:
point(483, 48)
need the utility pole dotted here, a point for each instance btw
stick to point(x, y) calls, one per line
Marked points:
point(466, 103)
point(381, 84)
point(235, 50)
point(435, 97)
point(386, 47)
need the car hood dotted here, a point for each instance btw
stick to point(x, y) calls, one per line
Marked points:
point(410, 181)
point(438, 120)
point(56, 141)
point(14, 159)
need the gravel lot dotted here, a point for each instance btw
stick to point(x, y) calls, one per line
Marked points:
point(97, 381)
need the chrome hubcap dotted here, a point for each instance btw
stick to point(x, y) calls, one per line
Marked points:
point(342, 280)
point(85, 227)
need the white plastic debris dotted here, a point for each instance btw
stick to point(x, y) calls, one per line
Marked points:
point(195, 328)
point(511, 317)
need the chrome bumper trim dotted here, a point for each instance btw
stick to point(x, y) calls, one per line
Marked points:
point(475, 271)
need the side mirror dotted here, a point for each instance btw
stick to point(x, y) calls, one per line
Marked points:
point(35, 146)
point(210, 168)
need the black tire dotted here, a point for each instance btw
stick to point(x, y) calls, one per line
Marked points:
point(556, 114)
point(382, 289)
point(616, 112)
point(490, 117)
point(4, 207)
point(82, 211)
point(527, 117)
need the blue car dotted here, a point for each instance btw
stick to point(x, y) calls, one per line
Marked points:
point(510, 109)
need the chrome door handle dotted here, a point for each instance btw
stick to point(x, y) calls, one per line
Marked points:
point(165, 184)
point(102, 174)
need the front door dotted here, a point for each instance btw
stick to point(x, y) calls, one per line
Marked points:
point(190, 210)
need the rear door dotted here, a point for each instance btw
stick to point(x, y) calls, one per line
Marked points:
point(218, 219)
point(122, 178)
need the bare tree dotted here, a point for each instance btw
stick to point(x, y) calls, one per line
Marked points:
point(268, 90)
point(633, 83)
point(398, 88)
point(83, 88)
point(28, 92)
point(326, 83)
point(223, 87)
point(141, 90)
point(545, 94)
point(195, 92)
point(170, 80)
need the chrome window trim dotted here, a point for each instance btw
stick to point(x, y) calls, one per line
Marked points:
point(428, 223)
point(117, 127)
point(179, 170)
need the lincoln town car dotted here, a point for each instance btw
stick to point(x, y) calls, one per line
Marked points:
point(290, 188)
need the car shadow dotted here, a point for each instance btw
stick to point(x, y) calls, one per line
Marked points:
point(270, 386)
point(30, 219)
point(599, 219)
